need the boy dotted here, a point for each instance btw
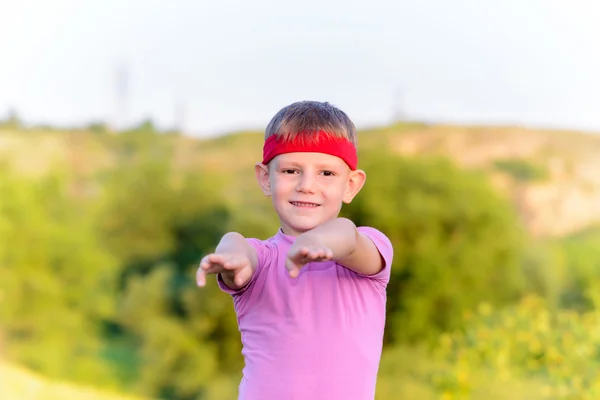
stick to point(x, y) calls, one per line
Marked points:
point(310, 301)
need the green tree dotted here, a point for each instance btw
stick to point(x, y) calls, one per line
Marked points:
point(56, 284)
point(522, 170)
point(581, 268)
point(456, 241)
point(159, 224)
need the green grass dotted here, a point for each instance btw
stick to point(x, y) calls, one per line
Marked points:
point(17, 383)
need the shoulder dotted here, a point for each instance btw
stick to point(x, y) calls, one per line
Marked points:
point(266, 253)
point(263, 247)
point(373, 232)
point(385, 248)
point(382, 242)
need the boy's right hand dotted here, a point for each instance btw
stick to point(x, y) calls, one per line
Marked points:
point(236, 269)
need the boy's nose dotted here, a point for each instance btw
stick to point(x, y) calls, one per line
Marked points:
point(306, 183)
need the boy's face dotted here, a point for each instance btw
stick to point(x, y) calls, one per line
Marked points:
point(308, 189)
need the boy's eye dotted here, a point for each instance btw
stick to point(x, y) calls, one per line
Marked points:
point(289, 171)
point(328, 173)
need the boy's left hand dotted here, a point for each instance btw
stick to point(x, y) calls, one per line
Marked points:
point(301, 254)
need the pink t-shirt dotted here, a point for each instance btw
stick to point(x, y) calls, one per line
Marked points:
point(318, 336)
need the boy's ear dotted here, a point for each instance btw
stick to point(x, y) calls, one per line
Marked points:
point(262, 176)
point(356, 181)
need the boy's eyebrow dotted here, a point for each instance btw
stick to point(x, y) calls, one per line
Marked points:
point(328, 166)
point(319, 166)
point(288, 164)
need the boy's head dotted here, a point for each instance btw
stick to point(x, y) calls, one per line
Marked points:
point(305, 118)
point(309, 165)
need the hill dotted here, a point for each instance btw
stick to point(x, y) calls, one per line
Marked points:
point(133, 211)
point(553, 177)
point(19, 384)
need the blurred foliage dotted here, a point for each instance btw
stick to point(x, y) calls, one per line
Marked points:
point(522, 170)
point(158, 223)
point(456, 242)
point(56, 282)
point(526, 341)
point(563, 271)
point(97, 277)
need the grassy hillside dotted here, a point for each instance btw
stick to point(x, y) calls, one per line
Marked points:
point(402, 380)
point(553, 177)
point(19, 384)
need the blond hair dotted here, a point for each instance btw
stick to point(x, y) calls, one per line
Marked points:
point(307, 118)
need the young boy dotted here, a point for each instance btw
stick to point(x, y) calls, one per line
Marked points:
point(310, 301)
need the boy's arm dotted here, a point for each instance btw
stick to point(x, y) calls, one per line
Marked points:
point(347, 245)
point(234, 259)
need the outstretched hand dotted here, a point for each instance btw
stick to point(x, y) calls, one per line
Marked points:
point(299, 256)
point(236, 266)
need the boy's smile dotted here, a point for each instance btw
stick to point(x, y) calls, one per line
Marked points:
point(308, 189)
point(304, 204)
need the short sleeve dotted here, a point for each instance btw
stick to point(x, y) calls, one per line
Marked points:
point(261, 251)
point(386, 250)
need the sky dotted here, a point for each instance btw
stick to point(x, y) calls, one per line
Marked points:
point(211, 67)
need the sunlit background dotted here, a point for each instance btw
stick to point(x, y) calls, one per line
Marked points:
point(128, 134)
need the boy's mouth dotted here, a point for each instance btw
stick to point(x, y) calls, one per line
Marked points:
point(304, 204)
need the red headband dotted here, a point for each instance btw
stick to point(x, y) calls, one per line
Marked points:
point(323, 143)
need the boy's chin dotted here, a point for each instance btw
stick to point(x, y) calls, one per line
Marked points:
point(299, 228)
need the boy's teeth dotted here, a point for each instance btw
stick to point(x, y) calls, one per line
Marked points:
point(301, 204)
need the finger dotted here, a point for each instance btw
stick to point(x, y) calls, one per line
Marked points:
point(238, 281)
point(209, 260)
point(234, 263)
point(304, 252)
point(296, 256)
point(294, 272)
point(316, 255)
point(205, 263)
point(201, 277)
point(291, 265)
point(241, 278)
point(215, 258)
point(220, 262)
point(323, 254)
point(215, 269)
point(228, 261)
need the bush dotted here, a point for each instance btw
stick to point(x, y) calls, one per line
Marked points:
point(456, 242)
point(526, 341)
point(522, 170)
